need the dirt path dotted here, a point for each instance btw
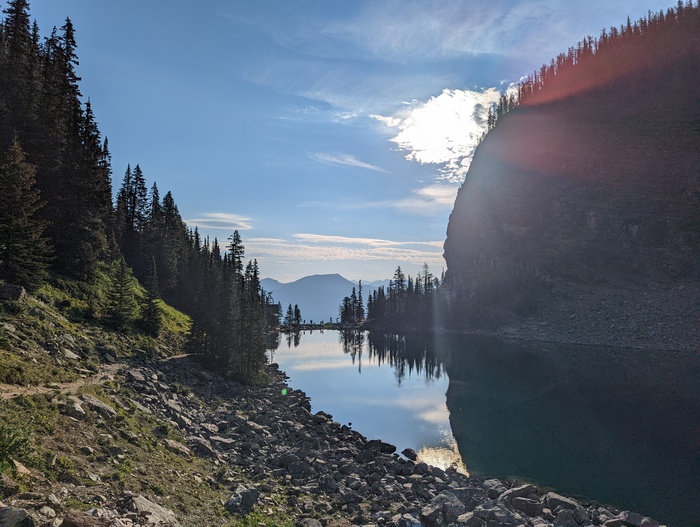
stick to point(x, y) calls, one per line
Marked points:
point(106, 373)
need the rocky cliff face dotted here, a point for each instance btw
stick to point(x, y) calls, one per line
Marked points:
point(579, 219)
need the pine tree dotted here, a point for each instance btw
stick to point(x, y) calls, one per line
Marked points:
point(151, 314)
point(121, 303)
point(23, 248)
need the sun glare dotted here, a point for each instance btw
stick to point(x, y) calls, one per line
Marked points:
point(444, 130)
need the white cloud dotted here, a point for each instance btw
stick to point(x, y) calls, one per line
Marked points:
point(429, 200)
point(444, 130)
point(316, 247)
point(345, 160)
point(220, 220)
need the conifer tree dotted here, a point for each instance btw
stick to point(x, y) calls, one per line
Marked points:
point(121, 303)
point(23, 248)
point(151, 314)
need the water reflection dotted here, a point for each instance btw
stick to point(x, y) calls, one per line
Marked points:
point(385, 392)
point(407, 355)
point(617, 426)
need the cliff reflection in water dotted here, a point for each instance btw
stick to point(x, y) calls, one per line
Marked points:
point(617, 426)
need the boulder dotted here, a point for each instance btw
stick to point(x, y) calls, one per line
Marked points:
point(76, 518)
point(376, 445)
point(73, 409)
point(152, 513)
point(528, 506)
point(242, 500)
point(15, 293)
point(70, 355)
point(518, 492)
point(11, 517)
point(8, 486)
point(178, 447)
point(98, 406)
point(566, 518)
point(494, 488)
point(554, 500)
point(410, 454)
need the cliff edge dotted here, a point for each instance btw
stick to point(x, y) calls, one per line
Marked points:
point(579, 219)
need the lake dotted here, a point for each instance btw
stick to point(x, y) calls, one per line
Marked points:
point(618, 426)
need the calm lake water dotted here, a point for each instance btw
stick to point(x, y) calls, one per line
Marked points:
point(617, 426)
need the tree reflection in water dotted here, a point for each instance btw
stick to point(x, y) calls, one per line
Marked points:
point(406, 354)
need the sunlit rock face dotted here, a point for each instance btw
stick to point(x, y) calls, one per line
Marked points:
point(584, 201)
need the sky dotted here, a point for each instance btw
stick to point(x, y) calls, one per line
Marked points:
point(333, 135)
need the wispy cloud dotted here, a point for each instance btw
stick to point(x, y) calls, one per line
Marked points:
point(371, 242)
point(343, 160)
point(220, 220)
point(429, 200)
point(434, 198)
point(443, 130)
point(315, 247)
point(403, 31)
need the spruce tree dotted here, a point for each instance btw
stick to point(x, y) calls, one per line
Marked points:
point(121, 302)
point(23, 248)
point(151, 314)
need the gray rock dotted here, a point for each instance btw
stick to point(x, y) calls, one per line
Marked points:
point(499, 514)
point(73, 409)
point(309, 522)
point(494, 488)
point(223, 442)
point(11, 517)
point(452, 507)
point(76, 518)
point(626, 519)
point(528, 506)
point(135, 375)
point(12, 292)
point(70, 355)
point(152, 513)
point(202, 447)
point(379, 446)
point(410, 454)
point(48, 511)
point(469, 519)
point(242, 500)
point(554, 500)
point(518, 492)
point(565, 518)
point(580, 515)
point(178, 447)
point(98, 406)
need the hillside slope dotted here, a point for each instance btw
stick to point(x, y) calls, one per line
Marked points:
point(579, 219)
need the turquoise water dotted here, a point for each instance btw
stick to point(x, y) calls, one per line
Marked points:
point(617, 426)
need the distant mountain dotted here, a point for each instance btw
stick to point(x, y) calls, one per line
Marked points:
point(270, 284)
point(371, 285)
point(318, 296)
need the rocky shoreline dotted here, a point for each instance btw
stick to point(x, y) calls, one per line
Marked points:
point(331, 475)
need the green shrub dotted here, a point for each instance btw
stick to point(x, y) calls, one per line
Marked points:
point(14, 444)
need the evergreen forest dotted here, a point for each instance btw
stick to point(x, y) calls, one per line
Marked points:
point(60, 225)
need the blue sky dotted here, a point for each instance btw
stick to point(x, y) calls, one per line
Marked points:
point(332, 134)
